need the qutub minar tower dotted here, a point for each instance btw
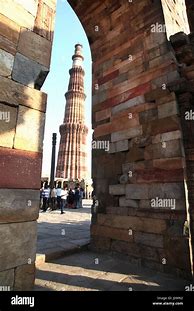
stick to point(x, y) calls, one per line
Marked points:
point(72, 156)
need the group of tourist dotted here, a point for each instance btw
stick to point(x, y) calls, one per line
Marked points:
point(60, 197)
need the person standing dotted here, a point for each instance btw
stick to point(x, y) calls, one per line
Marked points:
point(53, 198)
point(82, 195)
point(46, 195)
point(41, 194)
point(71, 199)
point(77, 197)
point(59, 195)
point(64, 194)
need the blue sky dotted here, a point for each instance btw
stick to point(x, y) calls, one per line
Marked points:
point(68, 32)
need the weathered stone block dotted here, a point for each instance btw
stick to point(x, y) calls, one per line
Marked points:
point(137, 192)
point(102, 130)
point(9, 29)
point(121, 123)
point(45, 18)
point(17, 13)
point(151, 253)
point(171, 149)
point(28, 40)
point(148, 115)
point(158, 175)
point(24, 277)
point(28, 72)
point(100, 243)
point(145, 204)
point(16, 94)
point(29, 130)
point(19, 205)
point(103, 115)
point(112, 148)
point(7, 46)
point(166, 137)
point(119, 146)
point(117, 189)
point(30, 5)
point(169, 164)
point(121, 247)
point(8, 117)
point(128, 104)
point(154, 240)
point(163, 125)
point(174, 246)
point(132, 222)
point(18, 241)
point(167, 190)
point(113, 233)
point(166, 99)
point(168, 110)
point(122, 145)
point(156, 94)
point(126, 167)
point(6, 63)
point(122, 135)
point(25, 166)
point(135, 154)
point(123, 202)
point(7, 278)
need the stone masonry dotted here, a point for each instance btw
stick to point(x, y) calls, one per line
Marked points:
point(142, 86)
point(137, 112)
point(26, 32)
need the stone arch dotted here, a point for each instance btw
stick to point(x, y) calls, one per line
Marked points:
point(134, 109)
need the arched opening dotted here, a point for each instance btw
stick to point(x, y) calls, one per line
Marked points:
point(138, 86)
point(58, 233)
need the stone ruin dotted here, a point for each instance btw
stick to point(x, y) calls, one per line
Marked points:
point(143, 65)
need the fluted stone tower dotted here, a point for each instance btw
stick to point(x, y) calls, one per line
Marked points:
point(72, 154)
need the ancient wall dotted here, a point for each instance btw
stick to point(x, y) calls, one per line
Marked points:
point(134, 110)
point(26, 32)
point(139, 180)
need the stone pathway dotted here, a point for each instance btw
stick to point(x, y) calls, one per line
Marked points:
point(88, 271)
point(61, 234)
point(67, 235)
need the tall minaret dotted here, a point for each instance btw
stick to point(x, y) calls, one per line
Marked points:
point(72, 154)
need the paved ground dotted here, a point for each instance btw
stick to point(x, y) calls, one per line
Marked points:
point(88, 271)
point(58, 234)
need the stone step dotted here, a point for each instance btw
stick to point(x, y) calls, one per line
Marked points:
point(58, 252)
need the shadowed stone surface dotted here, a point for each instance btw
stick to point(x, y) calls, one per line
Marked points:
point(18, 240)
point(90, 271)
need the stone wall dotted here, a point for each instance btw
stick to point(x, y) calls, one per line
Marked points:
point(139, 180)
point(183, 46)
point(26, 32)
point(136, 112)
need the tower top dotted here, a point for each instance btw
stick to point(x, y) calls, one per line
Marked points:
point(78, 56)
